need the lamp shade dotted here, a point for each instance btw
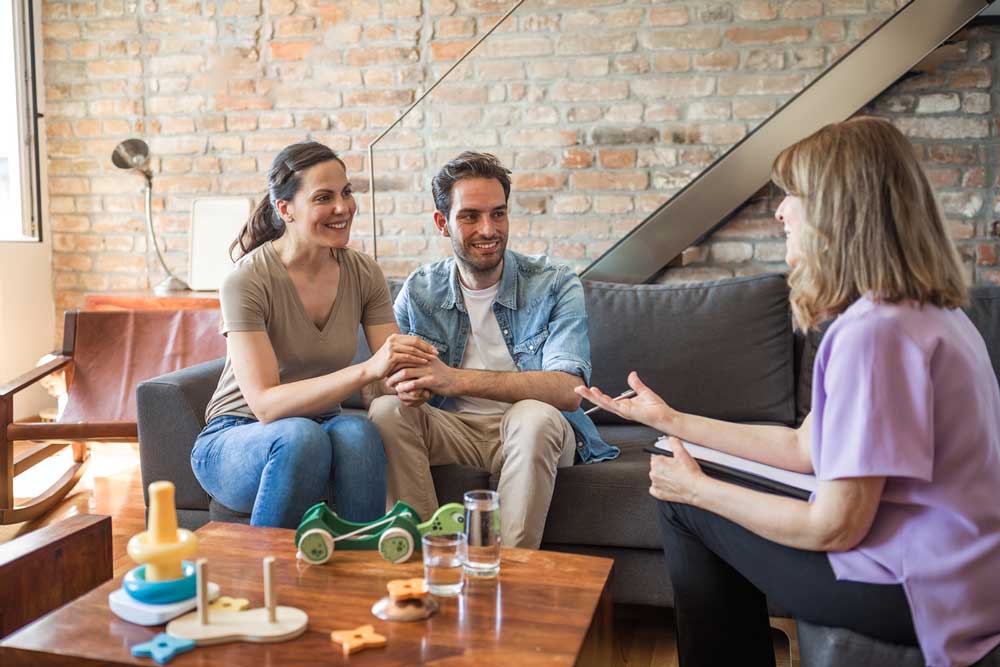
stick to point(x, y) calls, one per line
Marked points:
point(131, 154)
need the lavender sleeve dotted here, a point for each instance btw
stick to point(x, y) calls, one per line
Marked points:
point(873, 401)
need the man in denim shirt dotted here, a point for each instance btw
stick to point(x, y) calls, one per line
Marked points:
point(511, 334)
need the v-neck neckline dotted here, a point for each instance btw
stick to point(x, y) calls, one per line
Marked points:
point(299, 306)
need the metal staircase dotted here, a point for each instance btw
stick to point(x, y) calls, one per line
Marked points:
point(902, 42)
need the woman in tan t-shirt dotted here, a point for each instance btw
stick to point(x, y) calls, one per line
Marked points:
point(291, 308)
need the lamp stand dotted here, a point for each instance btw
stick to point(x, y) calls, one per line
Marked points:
point(171, 283)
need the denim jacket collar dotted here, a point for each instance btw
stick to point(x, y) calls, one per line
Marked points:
point(506, 295)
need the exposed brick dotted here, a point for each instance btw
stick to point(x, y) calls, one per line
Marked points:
point(570, 91)
point(938, 103)
point(567, 204)
point(767, 35)
point(731, 252)
point(801, 9)
point(541, 138)
point(528, 181)
point(454, 26)
point(587, 180)
point(617, 135)
point(681, 38)
point(760, 84)
point(757, 10)
point(291, 50)
point(944, 128)
point(570, 95)
point(669, 16)
point(449, 50)
point(617, 158)
point(577, 158)
point(673, 87)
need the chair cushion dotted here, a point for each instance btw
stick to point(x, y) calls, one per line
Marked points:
point(820, 646)
point(722, 349)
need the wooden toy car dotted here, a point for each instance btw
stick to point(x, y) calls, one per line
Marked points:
point(395, 536)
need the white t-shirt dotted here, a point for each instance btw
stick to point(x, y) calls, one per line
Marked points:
point(485, 349)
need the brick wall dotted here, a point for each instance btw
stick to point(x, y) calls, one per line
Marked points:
point(602, 107)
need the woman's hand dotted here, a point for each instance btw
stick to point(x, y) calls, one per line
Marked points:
point(645, 407)
point(675, 478)
point(398, 352)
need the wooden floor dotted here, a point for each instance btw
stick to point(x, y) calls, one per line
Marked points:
point(112, 485)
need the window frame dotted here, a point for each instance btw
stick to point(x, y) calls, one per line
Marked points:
point(28, 115)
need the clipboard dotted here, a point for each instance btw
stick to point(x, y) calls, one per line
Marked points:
point(741, 477)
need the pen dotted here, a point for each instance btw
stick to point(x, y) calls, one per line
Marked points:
point(625, 394)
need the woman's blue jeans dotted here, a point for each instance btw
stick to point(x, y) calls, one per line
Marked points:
point(276, 471)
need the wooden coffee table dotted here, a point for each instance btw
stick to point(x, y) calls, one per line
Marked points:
point(546, 608)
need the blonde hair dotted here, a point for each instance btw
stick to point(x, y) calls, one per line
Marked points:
point(872, 227)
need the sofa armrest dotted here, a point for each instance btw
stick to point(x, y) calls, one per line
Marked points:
point(170, 411)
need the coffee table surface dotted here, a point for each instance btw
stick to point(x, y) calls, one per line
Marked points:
point(539, 612)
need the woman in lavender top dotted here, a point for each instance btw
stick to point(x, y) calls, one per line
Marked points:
point(901, 541)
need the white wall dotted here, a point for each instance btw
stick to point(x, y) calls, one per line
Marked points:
point(27, 317)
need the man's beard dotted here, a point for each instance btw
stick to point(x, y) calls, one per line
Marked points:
point(472, 261)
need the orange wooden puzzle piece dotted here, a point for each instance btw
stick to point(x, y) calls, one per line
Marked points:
point(407, 589)
point(358, 639)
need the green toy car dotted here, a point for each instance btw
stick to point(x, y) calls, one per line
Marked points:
point(395, 536)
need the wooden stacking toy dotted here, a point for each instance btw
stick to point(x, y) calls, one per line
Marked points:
point(358, 639)
point(162, 587)
point(163, 546)
point(407, 589)
point(408, 600)
point(270, 623)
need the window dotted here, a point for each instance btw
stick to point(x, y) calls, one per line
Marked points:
point(20, 197)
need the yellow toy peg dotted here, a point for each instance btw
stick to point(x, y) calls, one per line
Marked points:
point(163, 546)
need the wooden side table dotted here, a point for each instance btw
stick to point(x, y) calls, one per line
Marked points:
point(147, 300)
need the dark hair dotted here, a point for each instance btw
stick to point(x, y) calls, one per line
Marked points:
point(283, 182)
point(467, 165)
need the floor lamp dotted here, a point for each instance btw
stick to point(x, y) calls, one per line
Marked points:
point(134, 154)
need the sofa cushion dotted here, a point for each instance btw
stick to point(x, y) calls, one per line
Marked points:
point(722, 349)
point(984, 311)
point(607, 503)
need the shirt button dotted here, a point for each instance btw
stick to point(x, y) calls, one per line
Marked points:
point(531, 348)
point(504, 332)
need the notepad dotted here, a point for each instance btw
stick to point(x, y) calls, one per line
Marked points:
point(738, 470)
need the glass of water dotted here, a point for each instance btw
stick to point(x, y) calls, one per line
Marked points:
point(443, 558)
point(482, 527)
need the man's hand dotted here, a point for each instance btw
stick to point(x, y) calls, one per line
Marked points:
point(412, 399)
point(434, 376)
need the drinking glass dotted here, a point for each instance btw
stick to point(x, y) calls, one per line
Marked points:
point(482, 528)
point(443, 558)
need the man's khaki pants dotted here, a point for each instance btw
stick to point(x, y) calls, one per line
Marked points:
point(524, 445)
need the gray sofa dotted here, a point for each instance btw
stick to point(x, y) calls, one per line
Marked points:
point(724, 349)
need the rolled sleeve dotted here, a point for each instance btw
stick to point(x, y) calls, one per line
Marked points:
point(568, 364)
point(567, 347)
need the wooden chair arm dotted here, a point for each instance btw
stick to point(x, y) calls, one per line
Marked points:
point(72, 431)
point(34, 375)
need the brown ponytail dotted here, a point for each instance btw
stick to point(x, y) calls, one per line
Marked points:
point(283, 182)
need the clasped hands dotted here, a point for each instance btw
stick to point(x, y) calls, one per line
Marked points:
point(411, 368)
point(674, 478)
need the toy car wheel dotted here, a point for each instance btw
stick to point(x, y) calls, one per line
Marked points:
point(395, 545)
point(316, 546)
